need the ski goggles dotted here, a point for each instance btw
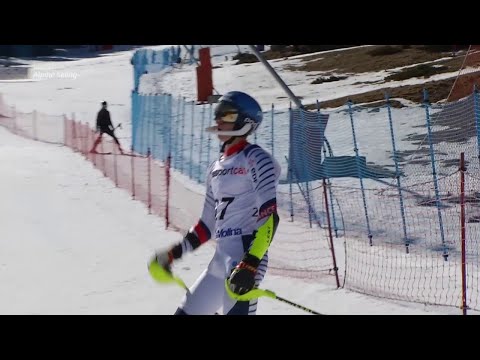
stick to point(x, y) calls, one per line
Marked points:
point(226, 113)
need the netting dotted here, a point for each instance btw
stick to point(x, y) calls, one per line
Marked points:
point(34, 125)
point(395, 176)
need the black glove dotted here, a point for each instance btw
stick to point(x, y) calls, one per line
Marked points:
point(164, 259)
point(242, 278)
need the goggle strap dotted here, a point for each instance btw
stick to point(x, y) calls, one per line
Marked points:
point(241, 132)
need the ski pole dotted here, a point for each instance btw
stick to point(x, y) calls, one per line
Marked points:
point(163, 276)
point(297, 305)
point(257, 293)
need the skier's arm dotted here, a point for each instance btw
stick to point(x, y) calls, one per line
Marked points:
point(265, 173)
point(266, 231)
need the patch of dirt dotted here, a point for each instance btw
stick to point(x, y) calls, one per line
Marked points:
point(361, 60)
point(433, 59)
point(417, 61)
point(437, 90)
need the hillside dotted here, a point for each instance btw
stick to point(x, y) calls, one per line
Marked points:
point(399, 62)
point(363, 74)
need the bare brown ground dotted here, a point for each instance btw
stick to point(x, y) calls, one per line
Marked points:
point(363, 60)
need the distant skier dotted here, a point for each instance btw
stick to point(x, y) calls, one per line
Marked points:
point(240, 213)
point(104, 125)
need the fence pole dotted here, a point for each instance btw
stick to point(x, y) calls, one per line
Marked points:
point(151, 126)
point(397, 175)
point(149, 180)
point(182, 138)
point(462, 223)
point(305, 168)
point(144, 124)
point(169, 119)
point(167, 201)
point(200, 152)
point(155, 147)
point(434, 171)
point(359, 171)
point(476, 102)
point(132, 164)
point(174, 121)
point(82, 139)
point(332, 248)
point(324, 147)
point(290, 189)
point(92, 140)
point(191, 141)
point(330, 192)
point(103, 158)
point(163, 127)
point(85, 141)
point(177, 152)
point(73, 137)
point(289, 164)
point(209, 135)
point(273, 130)
point(152, 111)
point(134, 117)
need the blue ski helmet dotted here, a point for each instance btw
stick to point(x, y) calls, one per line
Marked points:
point(247, 113)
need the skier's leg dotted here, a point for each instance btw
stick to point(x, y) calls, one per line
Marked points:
point(112, 134)
point(95, 144)
point(206, 294)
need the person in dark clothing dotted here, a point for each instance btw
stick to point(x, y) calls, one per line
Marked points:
point(104, 125)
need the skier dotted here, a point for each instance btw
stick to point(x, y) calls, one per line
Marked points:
point(104, 125)
point(240, 212)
